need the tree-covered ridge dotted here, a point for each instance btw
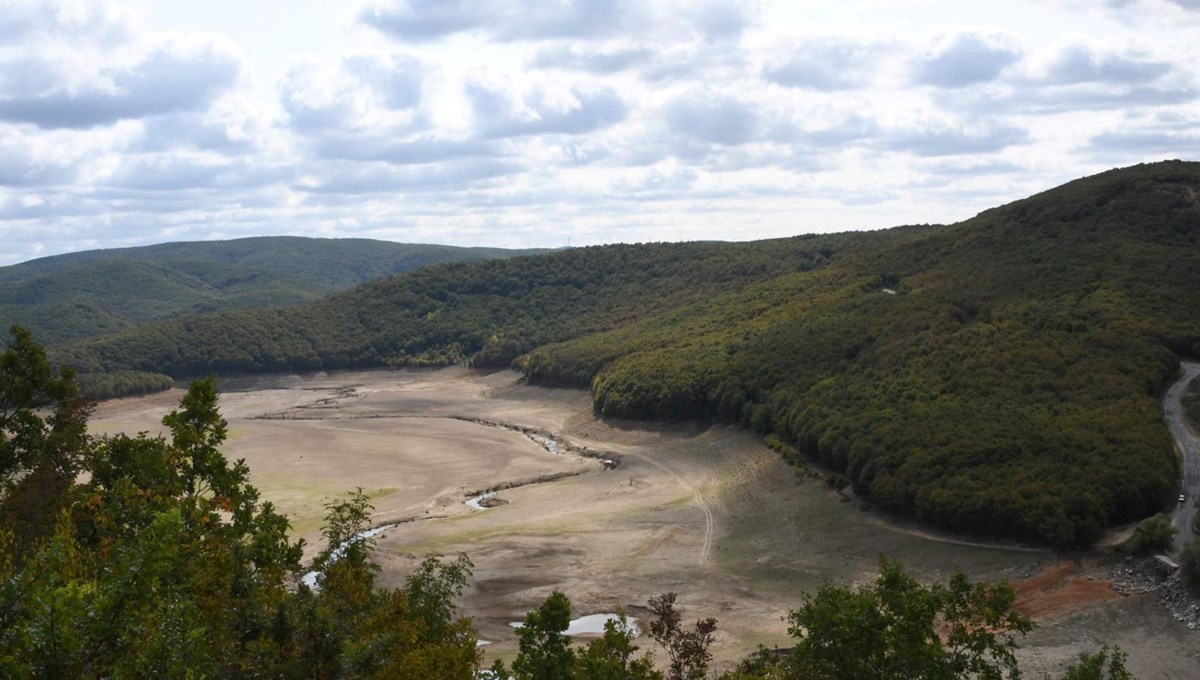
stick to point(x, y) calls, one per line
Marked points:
point(997, 375)
point(1006, 387)
point(95, 292)
point(488, 312)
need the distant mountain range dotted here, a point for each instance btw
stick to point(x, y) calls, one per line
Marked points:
point(998, 376)
point(78, 295)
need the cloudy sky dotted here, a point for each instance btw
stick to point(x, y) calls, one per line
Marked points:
point(552, 122)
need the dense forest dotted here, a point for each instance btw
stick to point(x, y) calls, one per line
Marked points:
point(140, 557)
point(94, 292)
point(997, 375)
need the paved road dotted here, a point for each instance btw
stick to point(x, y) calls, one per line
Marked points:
point(1189, 446)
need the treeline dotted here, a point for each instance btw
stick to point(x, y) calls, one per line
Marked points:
point(100, 386)
point(133, 557)
point(97, 292)
point(488, 313)
point(999, 375)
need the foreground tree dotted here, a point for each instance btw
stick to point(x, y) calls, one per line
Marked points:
point(164, 562)
point(43, 439)
point(898, 629)
point(545, 652)
point(687, 650)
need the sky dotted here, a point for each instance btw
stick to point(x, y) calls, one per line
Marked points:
point(549, 123)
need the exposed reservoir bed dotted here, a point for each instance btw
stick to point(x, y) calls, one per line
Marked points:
point(707, 512)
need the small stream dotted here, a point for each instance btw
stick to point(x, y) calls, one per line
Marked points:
point(310, 579)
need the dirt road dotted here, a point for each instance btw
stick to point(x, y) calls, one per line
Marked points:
point(1189, 448)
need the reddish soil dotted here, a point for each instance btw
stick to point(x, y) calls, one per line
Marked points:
point(1061, 589)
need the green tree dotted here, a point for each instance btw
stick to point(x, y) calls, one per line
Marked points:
point(164, 563)
point(43, 439)
point(1107, 664)
point(544, 651)
point(898, 629)
point(1153, 534)
point(611, 657)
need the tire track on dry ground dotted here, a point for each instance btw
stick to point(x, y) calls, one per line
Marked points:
point(697, 498)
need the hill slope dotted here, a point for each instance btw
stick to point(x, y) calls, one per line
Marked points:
point(996, 375)
point(77, 295)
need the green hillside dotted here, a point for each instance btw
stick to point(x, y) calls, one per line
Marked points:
point(78, 295)
point(998, 375)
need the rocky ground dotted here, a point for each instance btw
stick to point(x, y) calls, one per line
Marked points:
point(1135, 576)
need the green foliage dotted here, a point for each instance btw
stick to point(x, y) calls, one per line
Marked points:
point(1107, 664)
point(611, 656)
point(101, 386)
point(1154, 534)
point(43, 428)
point(898, 628)
point(90, 293)
point(164, 563)
point(545, 652)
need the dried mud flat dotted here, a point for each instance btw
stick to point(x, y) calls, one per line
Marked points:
point(707, 512)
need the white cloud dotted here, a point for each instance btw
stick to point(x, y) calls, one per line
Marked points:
point(528, 122)
point(966, 59)
point(826, 64)
point(543, 110)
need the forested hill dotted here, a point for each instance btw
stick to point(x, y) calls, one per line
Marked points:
point(89, 293)
point(998, 375)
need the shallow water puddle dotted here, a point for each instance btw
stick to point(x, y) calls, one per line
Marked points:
point(592, 624)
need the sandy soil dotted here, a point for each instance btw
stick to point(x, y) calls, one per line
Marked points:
point(707, 512)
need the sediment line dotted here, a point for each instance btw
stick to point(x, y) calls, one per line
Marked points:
point(610, 459)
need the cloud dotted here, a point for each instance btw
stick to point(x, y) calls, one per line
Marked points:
point(582, 57)
point(1191, 5)
point(720, 19)
point(966, 60)
point(20, 167)
point(1072, 99)
point(363, 178)
point(416, 21)
point(170, 79)
point(715, 119)
point(355, 91)
point(415, 151)
point(93, 23)
point(422, 20)
point(944, 140)
point(1144, 141)
point(825, 64)
point(542, 111)
point(1078, 63)
point(196, 131)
